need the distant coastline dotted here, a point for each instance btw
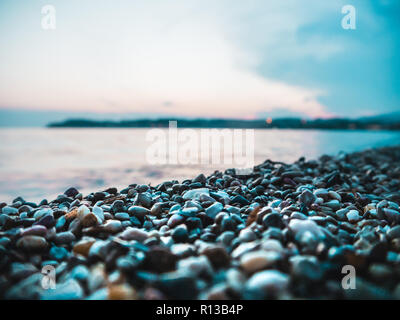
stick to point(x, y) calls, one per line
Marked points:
point(278, 123)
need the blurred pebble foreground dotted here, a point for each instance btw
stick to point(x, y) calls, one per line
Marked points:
point(282, 231)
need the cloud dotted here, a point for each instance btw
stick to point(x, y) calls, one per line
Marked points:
point(202, 56)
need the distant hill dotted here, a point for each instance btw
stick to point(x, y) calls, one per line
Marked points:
point(392, 117)
point(280, 123)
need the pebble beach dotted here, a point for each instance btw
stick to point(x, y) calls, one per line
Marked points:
point(280, 231)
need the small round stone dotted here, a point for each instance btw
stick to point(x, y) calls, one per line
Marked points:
point(266, 284)
point(121, 216)
point(37, 230)
point(258, 260)
point(180, 234)
point(71, 192)
point(32, 243)
point(218, 256)
point(353, 216)
point(134, 234)
point(64, 237)
point(273, 220)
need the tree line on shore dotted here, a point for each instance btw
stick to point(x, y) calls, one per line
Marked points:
point(278, 123)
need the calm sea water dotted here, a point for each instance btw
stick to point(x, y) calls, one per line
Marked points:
point(41, 163)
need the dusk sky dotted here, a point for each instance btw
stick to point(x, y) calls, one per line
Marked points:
point(224, 58)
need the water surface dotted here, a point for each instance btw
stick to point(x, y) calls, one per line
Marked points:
point(41, 163)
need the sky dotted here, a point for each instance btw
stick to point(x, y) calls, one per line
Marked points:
point(210, 58)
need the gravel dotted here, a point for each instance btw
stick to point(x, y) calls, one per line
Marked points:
point(281, 231)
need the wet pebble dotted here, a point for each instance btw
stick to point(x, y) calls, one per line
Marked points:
point(258, 260)
point(83, 246)
point(37, 230)
point(112, 226)
point(266, 284)
point(68, 290)
point(273, 220)
point(180, 234)
point(134, 234)
point(32, 243)
point(218, 256)
point(214, 209)
point(64, 237)
point(9, 210)
point(353, 216)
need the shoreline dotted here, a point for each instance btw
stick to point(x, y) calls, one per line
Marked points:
point(52, 167)
point(285, 231)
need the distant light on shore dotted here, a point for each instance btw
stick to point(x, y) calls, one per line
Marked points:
point(269, 120)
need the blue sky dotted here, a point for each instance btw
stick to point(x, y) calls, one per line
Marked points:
point(220, 58)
